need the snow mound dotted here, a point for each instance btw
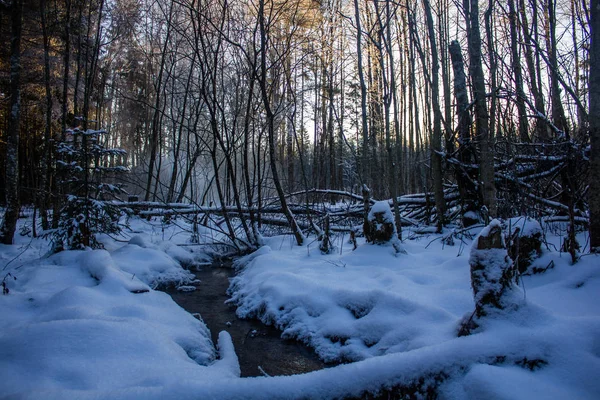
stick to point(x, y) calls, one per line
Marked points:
point(382, 208)
point(100, 266)
point(152, 266)
point(76, 322)
point(528, 227)
point(352, 310)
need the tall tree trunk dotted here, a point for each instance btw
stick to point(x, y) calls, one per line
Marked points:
point(388, 88)
point(486, 156)
point(493, 62)
point(157, 114)
point(518, 74)
point(46, 175)
point(466, 182)
point(9, 224)
point(436, 140)
point(540, 127)
point(271, 126)
point(363, 95)
point(179, 136)
point(558, 112)
point(594, 126)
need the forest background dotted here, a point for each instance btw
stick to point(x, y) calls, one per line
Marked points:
point(457, 111)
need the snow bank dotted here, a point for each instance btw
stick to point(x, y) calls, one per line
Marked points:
point(152, 265)
point(73, 328)
point(76, 321)
point(368, 303)
point(355, 306)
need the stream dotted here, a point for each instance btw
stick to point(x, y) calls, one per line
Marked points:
point(259, 347)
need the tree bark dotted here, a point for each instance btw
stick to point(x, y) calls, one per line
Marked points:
point(594, 126)
point(9, 224)
point(436, 140)
point(466, 182)
point(156, 117)
point(540, 127)
point(46, 175)
point(363, 94)
point(516, 67)
point(270, 117)
point(486, 156)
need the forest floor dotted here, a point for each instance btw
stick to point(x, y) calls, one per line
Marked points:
point(89, 324)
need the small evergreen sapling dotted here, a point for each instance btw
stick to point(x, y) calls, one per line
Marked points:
point(84, 163)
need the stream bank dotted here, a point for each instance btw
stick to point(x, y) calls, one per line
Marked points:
point(259, 347)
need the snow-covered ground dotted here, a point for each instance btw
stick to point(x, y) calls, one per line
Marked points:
point(88, 324)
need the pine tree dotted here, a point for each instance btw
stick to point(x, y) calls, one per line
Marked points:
point(84, 162)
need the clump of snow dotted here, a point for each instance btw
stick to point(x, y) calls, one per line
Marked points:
point(241, 262)
point(186, 288)
point(152, 266)
point(181, 255)
point(526, 226)
point(371, 307)
point(100, 266)
point(228, 362)
point(383, 209)
point(178, 253)
point(142, 241)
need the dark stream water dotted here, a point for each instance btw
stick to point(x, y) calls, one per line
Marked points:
point(257, 346)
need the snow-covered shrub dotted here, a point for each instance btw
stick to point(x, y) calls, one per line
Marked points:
point(524, 241)
point(83, 163)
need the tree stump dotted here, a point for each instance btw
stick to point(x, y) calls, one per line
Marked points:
point(381, 223)
point(491, 270)
point(525, 241)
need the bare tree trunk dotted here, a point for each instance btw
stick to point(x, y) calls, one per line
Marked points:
point(516, 67)
point(271, 126)
point(179, 136)
point(466, 182)
point(9, 224)
point(558, 112)
point(385, 42)
point(46, 175)
point(156, 117)
point(493, 62)
point(363, 94)
point(486, 165)
point(541, 128)
point(594, 126)
point(436, 140)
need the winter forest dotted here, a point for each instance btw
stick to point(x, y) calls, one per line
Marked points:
point(286, 199)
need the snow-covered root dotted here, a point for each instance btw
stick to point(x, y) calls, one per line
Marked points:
point(228, 361)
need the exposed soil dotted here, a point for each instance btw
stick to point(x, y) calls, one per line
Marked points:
point(257, 346)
